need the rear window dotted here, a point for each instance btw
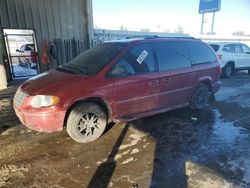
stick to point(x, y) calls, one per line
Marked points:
point(201, 53)
point(94, 59)
point(215, 47)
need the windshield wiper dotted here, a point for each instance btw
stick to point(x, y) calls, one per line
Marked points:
point(78, 68)
point(72, 69)
point(65, 69)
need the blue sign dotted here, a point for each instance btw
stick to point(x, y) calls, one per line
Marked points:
point(209, 6)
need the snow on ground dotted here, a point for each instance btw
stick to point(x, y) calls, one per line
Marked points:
point(235, 95)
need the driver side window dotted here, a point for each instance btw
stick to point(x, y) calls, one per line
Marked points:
point(129, 69)
point(137, 60)
point(245, 48)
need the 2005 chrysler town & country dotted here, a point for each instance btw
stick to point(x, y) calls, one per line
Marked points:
point(119, 81)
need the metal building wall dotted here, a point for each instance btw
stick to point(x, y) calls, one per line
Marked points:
point(50, 19)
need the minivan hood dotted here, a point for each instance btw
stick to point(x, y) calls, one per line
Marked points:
point(49, 82)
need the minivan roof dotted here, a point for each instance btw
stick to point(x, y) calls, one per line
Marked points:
point(151, 38)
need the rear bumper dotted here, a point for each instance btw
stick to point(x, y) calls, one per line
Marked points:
point(216, 86)
point(42, 122)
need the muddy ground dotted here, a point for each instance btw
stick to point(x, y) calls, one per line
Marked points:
point(182, 148)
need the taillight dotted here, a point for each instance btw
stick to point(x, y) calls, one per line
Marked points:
point(219, 69)
point(219, 56)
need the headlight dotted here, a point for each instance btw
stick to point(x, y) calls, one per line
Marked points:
point(39, 101)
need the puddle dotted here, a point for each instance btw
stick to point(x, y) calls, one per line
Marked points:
point(225, 131)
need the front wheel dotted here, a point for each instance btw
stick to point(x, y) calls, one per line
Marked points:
point(200, 97)
point(86, 122)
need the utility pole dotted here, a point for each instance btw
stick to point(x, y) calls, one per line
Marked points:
point(202, 21)
point(212, 28)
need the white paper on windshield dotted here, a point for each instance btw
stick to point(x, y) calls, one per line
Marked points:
point(142, 57)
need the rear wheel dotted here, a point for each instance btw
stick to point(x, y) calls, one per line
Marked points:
point(200, 97)
point(228, 70)
point(86, 122)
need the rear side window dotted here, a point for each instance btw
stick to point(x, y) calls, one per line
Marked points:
point(139, 59)
point(228, 48)
point(201, 53)
point(215, 47)
point(172, 55)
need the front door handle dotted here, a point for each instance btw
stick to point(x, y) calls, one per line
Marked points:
point(154, 83)
point(165, 80)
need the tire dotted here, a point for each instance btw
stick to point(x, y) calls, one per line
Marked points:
point(228, 70)
point(200, 97)
point(86, 122)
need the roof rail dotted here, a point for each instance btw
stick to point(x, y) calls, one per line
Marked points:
point(178, 37)
point(156, 37)
point(142, 36)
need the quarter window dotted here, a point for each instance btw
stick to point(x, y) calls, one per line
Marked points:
point(215, 47)
point(172, 55)
point(200, 53)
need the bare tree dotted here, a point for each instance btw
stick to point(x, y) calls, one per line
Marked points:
point(96, 27)
point(123, 28)
point(239, 33)
point(179, 29)
point(145, 29)
point(165, 30)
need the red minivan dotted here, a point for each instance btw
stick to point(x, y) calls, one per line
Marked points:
point(119, 81)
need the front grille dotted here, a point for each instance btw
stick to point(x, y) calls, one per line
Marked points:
point(19, 97)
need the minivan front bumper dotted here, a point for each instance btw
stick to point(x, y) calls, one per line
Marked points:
point(42, 122)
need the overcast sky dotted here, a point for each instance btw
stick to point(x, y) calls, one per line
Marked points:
point(163, 15)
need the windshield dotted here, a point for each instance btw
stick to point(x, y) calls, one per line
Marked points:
point(215, 47)
point(93, 60)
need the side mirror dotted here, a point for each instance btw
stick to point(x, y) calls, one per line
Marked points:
point(17, 50)
point(117, 70)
